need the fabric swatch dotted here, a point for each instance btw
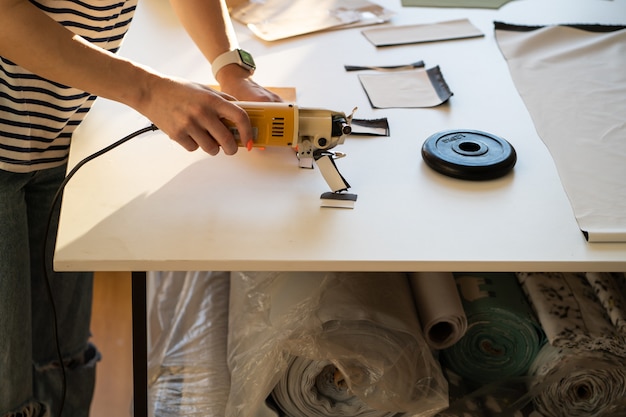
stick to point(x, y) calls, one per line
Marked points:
point(409, 89)
point(585, 136)
point(483, 4)
point(425, 32)
point(273, 20)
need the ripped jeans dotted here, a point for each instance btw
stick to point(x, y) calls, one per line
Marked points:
point(30, 374)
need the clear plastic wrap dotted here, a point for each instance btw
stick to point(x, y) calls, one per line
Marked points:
point(334, 344)
point(188, 326)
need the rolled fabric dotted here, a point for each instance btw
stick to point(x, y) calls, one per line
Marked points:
point(503, 336)
point(439, 308)
point(610, 288)
point(570, 313)
point(332, 344)
point(187, 370)
point(318, 387)
point(574, 383)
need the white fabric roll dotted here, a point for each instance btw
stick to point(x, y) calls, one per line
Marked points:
point(289, 332)
point(573, 383)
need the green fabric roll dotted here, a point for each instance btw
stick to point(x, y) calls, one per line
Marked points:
point(503, 335)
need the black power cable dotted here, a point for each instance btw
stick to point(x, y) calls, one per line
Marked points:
point(55, 201)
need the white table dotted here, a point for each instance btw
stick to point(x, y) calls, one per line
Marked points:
point(150, 205)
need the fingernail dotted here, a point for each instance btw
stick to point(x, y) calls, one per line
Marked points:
point(249, 145)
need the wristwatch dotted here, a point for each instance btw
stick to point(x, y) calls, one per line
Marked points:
point(237, 56)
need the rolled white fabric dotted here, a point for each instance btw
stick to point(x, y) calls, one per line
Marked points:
point(439, 308)
point(312, 388)
point(332, 344)
point(573, 383)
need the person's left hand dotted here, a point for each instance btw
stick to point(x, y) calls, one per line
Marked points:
point(237, 82)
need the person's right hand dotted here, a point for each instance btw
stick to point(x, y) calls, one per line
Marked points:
point(193, 115)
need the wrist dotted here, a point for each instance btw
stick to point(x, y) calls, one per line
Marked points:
point(232, 74)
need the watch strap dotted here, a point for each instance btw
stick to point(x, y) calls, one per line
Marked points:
point(233, 57)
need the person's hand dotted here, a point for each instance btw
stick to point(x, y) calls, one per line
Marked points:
point(193, 115)
point(237, 82)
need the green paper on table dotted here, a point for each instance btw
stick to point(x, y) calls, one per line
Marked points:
point(483, 4)
point(503, 336)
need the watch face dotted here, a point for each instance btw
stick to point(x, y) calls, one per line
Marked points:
point(246, 58)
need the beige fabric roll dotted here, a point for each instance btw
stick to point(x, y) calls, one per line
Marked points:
point(439, 308)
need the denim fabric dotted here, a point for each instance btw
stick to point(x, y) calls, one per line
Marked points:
point(30, 375)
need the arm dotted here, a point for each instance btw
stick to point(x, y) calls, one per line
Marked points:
point(188, 112)
point(209, 25)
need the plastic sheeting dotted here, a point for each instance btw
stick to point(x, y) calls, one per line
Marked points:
point(188, 329)
point(257, 344)
point(333, 344)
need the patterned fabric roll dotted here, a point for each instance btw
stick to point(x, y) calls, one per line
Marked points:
point(610, 288)
point(503, 335)
point(582, 370)
point(571, 314)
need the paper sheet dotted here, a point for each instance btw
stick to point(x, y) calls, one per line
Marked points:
point(573, 83)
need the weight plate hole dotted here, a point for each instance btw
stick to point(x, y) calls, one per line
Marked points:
point(469, 146)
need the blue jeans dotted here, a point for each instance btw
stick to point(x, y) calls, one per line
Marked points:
point(30, 372)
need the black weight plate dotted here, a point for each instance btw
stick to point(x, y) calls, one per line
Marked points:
point(469, 154)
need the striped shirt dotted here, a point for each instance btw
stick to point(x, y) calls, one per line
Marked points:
point(38, 117)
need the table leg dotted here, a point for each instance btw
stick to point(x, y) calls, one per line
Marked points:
point(140, 345)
